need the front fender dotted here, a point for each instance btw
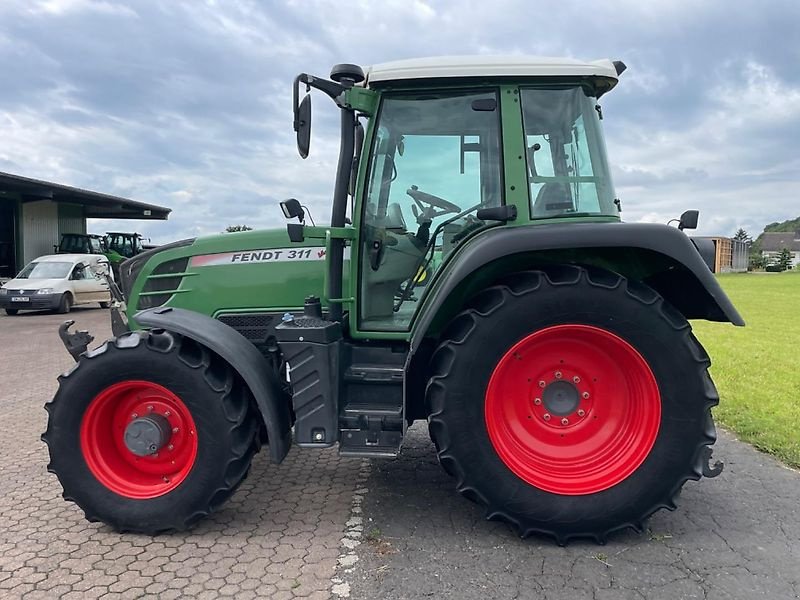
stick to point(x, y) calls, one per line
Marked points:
point(234, 348)
point(660, 256)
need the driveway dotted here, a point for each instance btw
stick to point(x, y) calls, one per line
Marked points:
point(320, 527)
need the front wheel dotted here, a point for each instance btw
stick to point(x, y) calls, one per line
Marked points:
point(150, 432)
point(593, 407)
point(12, 311)
point(65, 304)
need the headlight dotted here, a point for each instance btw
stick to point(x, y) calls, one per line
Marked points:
point(44, 291)
point(3, 291)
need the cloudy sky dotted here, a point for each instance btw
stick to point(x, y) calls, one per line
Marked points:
point(187, 103)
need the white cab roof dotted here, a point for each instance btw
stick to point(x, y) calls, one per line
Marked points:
point(488, 66)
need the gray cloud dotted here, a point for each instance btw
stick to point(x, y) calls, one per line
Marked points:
point(187, 103)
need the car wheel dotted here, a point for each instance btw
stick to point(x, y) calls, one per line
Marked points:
point(66, 304)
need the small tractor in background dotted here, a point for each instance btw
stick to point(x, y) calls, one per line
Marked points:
point(116, 246)
point(475, 273)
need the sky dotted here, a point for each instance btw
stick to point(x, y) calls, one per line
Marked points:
point(187, 104)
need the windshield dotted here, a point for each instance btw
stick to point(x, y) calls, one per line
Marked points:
point(567, 167)
point(45, 270)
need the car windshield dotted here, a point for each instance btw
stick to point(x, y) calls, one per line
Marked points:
point(45, 270)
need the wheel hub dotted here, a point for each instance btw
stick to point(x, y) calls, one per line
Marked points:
point(138, 439)
point(572, 409)
point(146, 435)
point(561, 398)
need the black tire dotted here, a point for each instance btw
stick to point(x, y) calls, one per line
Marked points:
point(501, 316)
point(105, 304)
point(218, 401)
point(65, 304)
point(12, 311)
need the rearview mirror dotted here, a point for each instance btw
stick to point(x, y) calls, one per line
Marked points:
point(291, 208)
point(302, 125)
point(688, 220)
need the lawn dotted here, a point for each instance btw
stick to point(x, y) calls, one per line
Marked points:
point(757, 368)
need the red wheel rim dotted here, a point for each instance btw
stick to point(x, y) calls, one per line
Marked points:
point(572, 409)
point(109, 459)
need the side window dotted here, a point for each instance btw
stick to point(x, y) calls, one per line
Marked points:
point(435, 162)
point(567, 167)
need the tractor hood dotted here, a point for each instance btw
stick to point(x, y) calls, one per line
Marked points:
point(259, 271)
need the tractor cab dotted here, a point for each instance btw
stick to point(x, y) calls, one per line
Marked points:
point(453, 147)
point(126, 245)
point(80, 243)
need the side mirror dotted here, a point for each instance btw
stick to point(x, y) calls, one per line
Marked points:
point(688, 220)
point(291, 208)
point(302, 125)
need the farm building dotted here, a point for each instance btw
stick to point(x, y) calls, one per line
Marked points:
point(34, 214)
point(730, 256)
point(772, 243)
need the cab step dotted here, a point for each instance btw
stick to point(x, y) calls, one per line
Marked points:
point(371, 422)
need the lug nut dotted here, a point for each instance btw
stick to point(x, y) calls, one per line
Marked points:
point(149, 408)
point(576, 379)
point(170, 447)
point(558, 374)
point(167, 413)
point(546, 416)
point(542, 384)
point(537, 401)
point(175, 430)
point(565, 421)
point(581, 412)
point(585, 395)
point(134, 415)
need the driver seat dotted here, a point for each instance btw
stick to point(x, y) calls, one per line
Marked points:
point(394, 218)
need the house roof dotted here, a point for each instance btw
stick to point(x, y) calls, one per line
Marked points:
point(96, 205)
point(777, 241)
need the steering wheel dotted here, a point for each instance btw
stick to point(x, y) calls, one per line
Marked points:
point(421, 198)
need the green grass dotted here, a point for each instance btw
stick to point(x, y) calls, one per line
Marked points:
point(757, 368)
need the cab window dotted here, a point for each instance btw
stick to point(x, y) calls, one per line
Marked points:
point(435, 162)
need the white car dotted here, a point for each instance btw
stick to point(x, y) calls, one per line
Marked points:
point(58, 282)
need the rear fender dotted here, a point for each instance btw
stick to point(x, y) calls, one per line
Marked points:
point(234, 348)
point(662, 257)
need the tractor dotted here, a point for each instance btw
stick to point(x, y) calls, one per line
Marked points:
point(475, 273)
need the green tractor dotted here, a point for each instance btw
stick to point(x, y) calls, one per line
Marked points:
point(475, 273)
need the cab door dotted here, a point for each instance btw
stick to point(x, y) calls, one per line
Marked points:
point(435, 161)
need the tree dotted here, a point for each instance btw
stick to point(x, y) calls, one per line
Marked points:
point(785, 259)
point(235, 228)
point(757, 261)
point(741, 236)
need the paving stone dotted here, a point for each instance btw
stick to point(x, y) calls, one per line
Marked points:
point(48, 550)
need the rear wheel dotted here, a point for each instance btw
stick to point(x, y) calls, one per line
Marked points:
point(150, 432)
point(105, 304)
point(12, 311)
point(65, 304)
point(594, 403)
